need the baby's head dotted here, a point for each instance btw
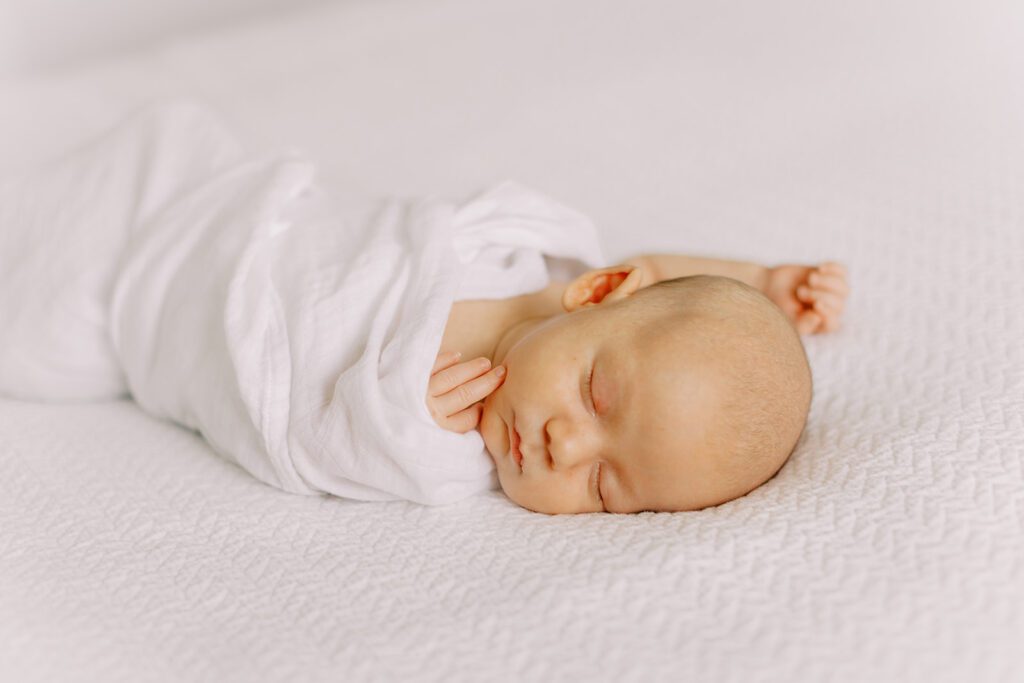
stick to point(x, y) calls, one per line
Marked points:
point(677, 396)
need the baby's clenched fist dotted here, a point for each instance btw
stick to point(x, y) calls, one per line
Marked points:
point(813, 297)
point(456, 389)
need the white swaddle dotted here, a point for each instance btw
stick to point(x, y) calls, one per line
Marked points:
point(233, 296)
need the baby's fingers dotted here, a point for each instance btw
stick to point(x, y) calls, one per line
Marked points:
point(808, 322)
point(819, 319)
point(445, 360)
point(443, 381)
point(824, 302)
point(468, 393)
point(830, 323)
point(833, 268)
point(464, 420)
point(829, 281)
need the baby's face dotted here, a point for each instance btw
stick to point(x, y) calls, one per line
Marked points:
point(610, 415)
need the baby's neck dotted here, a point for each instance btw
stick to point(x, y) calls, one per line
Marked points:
point(489, 328)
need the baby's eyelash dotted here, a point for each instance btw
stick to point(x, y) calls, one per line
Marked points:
point(590, 396)
point(597, 485)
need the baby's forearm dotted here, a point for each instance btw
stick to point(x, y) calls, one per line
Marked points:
point(660, 267)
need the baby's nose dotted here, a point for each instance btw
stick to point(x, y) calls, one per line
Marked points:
point(568, 444)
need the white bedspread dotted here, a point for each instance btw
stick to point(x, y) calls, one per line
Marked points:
point(891, 547)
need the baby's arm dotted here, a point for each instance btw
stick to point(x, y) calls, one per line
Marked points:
point(670, 266)
point(812, 297)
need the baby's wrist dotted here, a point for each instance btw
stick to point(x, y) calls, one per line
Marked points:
point(759, 277)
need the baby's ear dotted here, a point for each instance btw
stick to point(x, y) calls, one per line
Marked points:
point(603, 285)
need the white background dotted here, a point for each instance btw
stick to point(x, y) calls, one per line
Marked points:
point(38, 35)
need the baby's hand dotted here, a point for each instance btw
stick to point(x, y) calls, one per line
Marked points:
point(455, 389)
point(812, 296)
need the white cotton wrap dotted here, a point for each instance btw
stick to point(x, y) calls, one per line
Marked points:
point(232, 296)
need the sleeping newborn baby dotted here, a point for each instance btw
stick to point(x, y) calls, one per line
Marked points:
point(313, 338)
point(631, 390)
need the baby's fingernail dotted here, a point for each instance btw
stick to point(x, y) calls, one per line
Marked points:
point(500, 371)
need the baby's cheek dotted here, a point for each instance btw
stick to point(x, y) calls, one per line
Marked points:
point(490, 430)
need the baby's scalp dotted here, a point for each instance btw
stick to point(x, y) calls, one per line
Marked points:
point(757, 360)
